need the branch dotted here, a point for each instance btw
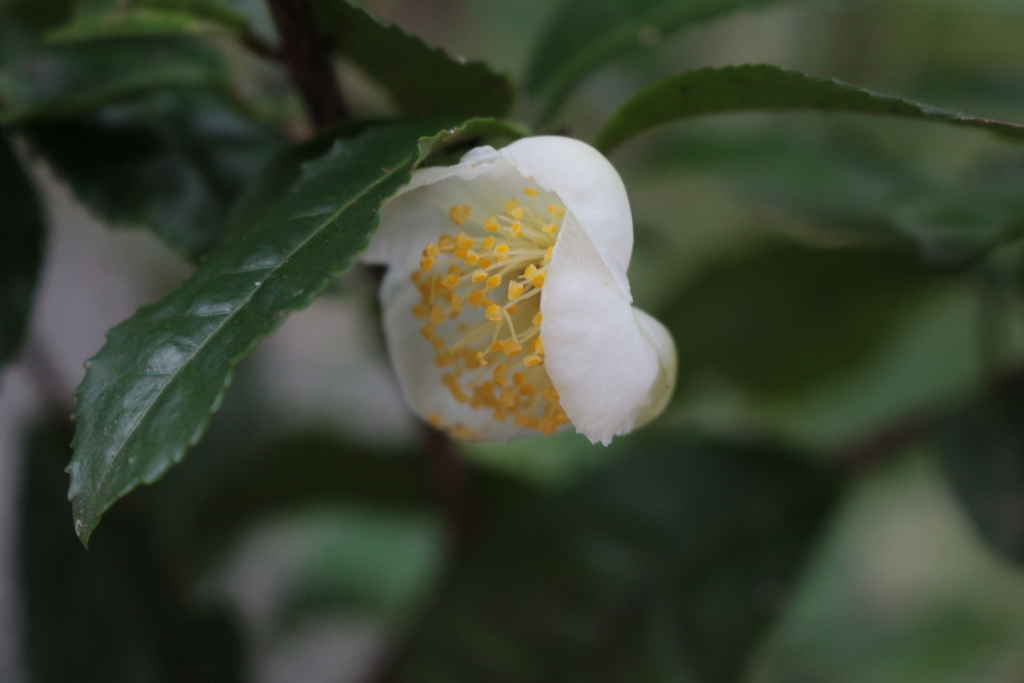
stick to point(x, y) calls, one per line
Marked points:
point(308, 61)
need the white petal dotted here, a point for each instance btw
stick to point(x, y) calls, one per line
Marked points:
point(606, 368)
point(420, 379)
point(660, 339)
point(589, 186)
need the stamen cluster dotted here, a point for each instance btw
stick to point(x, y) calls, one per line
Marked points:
point(491, 275)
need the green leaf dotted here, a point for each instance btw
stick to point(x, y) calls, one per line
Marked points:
point(149, 393)
point(585, 34)
point(982, 449)
point(42, 80)
point(764, 87)
point(21, 247)
point(783, 318)
point(668, 565)
point(174, 163)
point(424, 81)
point(111, 18)
point(115, 614)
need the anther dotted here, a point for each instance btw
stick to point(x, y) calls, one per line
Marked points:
point(426, 263)
point(493, 281)
point(478, 276)
point(420, 310)
point(550, 228)
point(491, 224)
point(493, 313)
point(437, 316)
point(537, 319)
point(501, 252)
point(459, 213)
point(515, 290)
point(530, 361)
point(477, 299)
point(533, 192)
point(556, 210)
point(450, 281)
point(463, 241)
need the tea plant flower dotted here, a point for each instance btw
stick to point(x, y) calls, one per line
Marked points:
point(506, 307)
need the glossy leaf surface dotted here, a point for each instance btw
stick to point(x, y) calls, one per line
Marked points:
point(667, 565)
point(149, 393)
point(583, 35)
point(21, 245)
point(764, 87)
point(424, 81)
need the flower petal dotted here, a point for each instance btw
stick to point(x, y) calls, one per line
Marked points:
point(589, 186)
point(605, 359)
point(420, 378)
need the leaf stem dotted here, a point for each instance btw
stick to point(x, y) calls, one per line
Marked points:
point(308, 61)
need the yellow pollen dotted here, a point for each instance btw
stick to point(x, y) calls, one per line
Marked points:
point(497, 347)
point(420, 310)
point(550, 228)
point(453, 270)
point(459, 213)
point(530, 361)
point(437, 316)
point(512, 309)
point(477, 299)
point(527, 390)
point(426, 263)
point(538, 345)
point(501, 252)
point(455, 301)
point(450, 281)
point(538, 280)
point(556, 211)
point(488, 243)
point(445, 359)
point(491, 224)
point(537, 319)
point(548, 253)
point(518, 379)
point(478, 276)
point(480, 358)
point(432, 250)
point(486, 262)
point(436, 420)
point(472, 258)
point(509, 205)
point(493, 313)
point(463, 241)
point(517, 212)
point(427, 331)
point(550, 395)
point(532, 192)
point(516, 229)
point(493, 281)
point(515, 290)
point(446, 243)
point(512, 347)
point(500, 375)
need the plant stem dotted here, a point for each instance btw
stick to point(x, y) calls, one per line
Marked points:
point(308, 61)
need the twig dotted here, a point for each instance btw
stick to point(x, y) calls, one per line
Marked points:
point(261, 47)
point(308, 61)
point(451, 484)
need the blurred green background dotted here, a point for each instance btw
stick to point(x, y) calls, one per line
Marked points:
point(820, 503)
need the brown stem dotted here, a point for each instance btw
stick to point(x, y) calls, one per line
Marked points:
point(308, 61)
point(451, 484)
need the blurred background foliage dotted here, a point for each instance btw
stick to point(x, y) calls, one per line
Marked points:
point(835, 494)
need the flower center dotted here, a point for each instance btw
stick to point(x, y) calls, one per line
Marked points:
point(480, 298)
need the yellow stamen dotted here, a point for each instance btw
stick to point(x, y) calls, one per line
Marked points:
point(459, 214)
point(493, 313)
point(556, 211)
point(532, 192)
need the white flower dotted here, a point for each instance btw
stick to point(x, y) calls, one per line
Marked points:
point(506, 304)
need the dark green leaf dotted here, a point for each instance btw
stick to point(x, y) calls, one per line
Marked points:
point(982, 449)
point(780, 319)
point(113, 614)
point(666, 566)
point(174, 163)
point(149, 393)
point(21, 245)
point(112, 18)
point(423, 80)
point(41, 80)
point(763, 87)
point(585, 34)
